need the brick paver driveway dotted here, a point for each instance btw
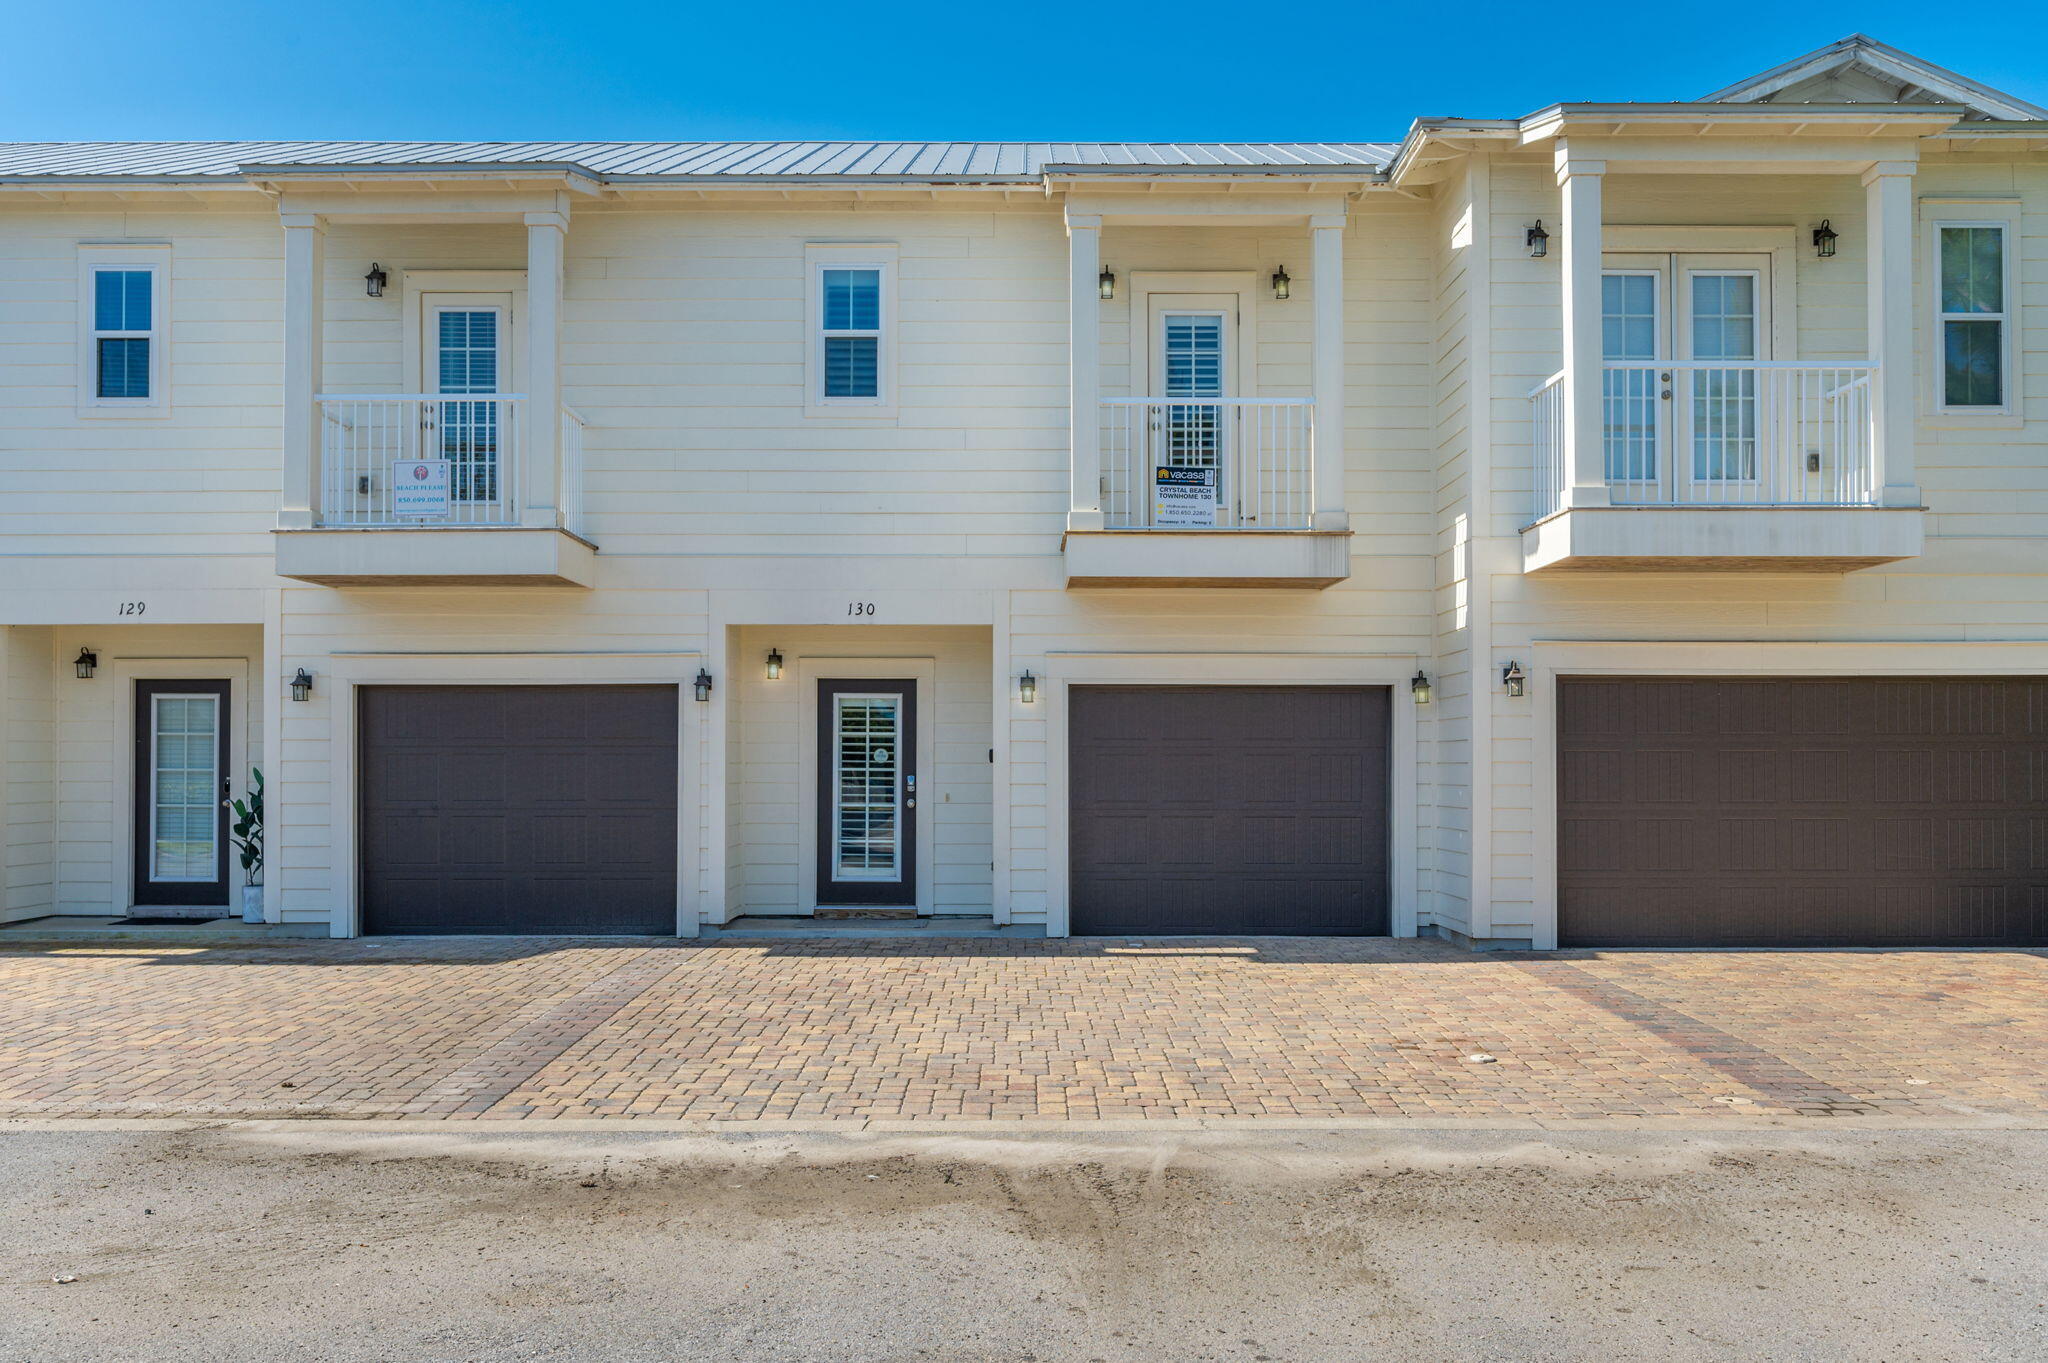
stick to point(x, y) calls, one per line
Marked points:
point(1291, 1028)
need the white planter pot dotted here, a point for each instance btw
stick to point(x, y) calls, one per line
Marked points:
point(252, 903)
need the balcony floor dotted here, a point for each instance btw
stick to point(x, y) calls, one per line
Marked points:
point(1756, 539)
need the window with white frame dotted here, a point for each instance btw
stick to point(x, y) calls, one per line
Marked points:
point(850, 310)
point(122, 339)
point(1973, 322)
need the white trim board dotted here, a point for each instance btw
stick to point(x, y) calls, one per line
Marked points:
point(1065, 670)
point(349, 671)
point(1551, 659)
point(808, 671)
point(124, 673)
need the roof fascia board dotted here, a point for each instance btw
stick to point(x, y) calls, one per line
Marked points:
point(1903, 67)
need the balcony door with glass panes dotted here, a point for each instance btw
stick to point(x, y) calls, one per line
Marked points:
point(1681, 336)
point(1193, 356)
point(181, 779)
point(867, 793)
point(467, 352)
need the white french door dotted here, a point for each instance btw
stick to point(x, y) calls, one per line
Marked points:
point(1682, 336)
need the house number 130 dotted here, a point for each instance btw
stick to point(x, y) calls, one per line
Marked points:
point(860, 608)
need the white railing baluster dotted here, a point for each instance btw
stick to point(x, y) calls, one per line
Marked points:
point(1732, 433)
point(366, 437)
point(1262, 451)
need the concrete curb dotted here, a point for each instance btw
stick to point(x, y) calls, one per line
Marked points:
point(986, 1127)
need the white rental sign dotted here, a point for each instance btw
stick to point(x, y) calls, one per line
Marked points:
point(1183, 496)
point(419, 487)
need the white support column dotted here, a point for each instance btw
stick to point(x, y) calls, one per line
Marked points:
point(1578, 183)
point(305, 267)
point(1327, 267)
point(1084, 347)
point(541, 435)
point(1888, 195)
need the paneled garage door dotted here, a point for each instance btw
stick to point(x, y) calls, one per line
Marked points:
point(1228, 809)
point(1803, 812)
point(518, 809)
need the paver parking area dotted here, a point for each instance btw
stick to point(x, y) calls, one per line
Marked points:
point(1005, 1030)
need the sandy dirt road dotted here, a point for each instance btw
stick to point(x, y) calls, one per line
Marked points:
point(332, 1242)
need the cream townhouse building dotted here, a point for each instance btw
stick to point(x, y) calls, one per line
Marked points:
point(1624, 524)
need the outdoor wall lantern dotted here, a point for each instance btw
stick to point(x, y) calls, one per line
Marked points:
point(302, 685)
point(375, 280)
point(1281, 283)
point(86, 662)
point(1513, 679)
point(774, 664)
point(1539, 241)
point(703, 684)
point(1418, 687)
point(1105, 283)
point(1824, 238)
point(1027, 687)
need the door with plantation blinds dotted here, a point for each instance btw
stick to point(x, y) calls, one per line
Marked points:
point(181, 779)
point(867, 793)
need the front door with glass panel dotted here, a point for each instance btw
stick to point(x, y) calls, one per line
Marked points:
point(1682, 336)
point(867, 793)
point(181, 779)
point(1193, 355)
point(466, 351)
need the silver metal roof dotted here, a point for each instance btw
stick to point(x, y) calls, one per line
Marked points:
point(1023, 161)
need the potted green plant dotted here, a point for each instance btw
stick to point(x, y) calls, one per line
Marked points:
point(247, 835)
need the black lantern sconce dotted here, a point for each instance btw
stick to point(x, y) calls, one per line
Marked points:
point(302, 685)
point(1824, 238)
point(1027, 687)
point(1538, 240)
point(1514, 680)
point(1418, 687)
point(703, 684)
point(86, 663)
point(774, 664)
point(1281, 283)
point(1105, 284)
point(375, 280)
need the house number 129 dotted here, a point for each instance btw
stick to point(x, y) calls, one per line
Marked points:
point(860, 608)
point(132, 608)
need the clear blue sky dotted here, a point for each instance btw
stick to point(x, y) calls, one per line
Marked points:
point(169, 69)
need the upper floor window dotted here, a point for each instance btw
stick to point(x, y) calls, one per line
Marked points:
point(123, 309)
point(121, 331)
point(1972, 308)
point(850, 310)
point(853, 333)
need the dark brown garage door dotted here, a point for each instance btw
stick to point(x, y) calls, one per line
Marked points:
point(518, 809)
point(1228, 810)
point(1808, 812)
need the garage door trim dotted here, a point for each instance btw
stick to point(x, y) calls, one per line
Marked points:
point(348, 672)
point(1066, 671)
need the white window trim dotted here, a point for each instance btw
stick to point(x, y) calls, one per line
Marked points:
point(152, 258)
point(2006, 218)
point(822, 256)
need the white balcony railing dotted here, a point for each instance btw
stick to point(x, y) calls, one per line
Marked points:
point(373, 445)
point(1208, 463)
point(572, 471)
point(1732, 433)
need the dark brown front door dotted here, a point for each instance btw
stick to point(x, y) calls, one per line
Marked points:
point(1870, 811)
point(518, 809)
point(867, 793)
point(181, 780)
point(1228, 810)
